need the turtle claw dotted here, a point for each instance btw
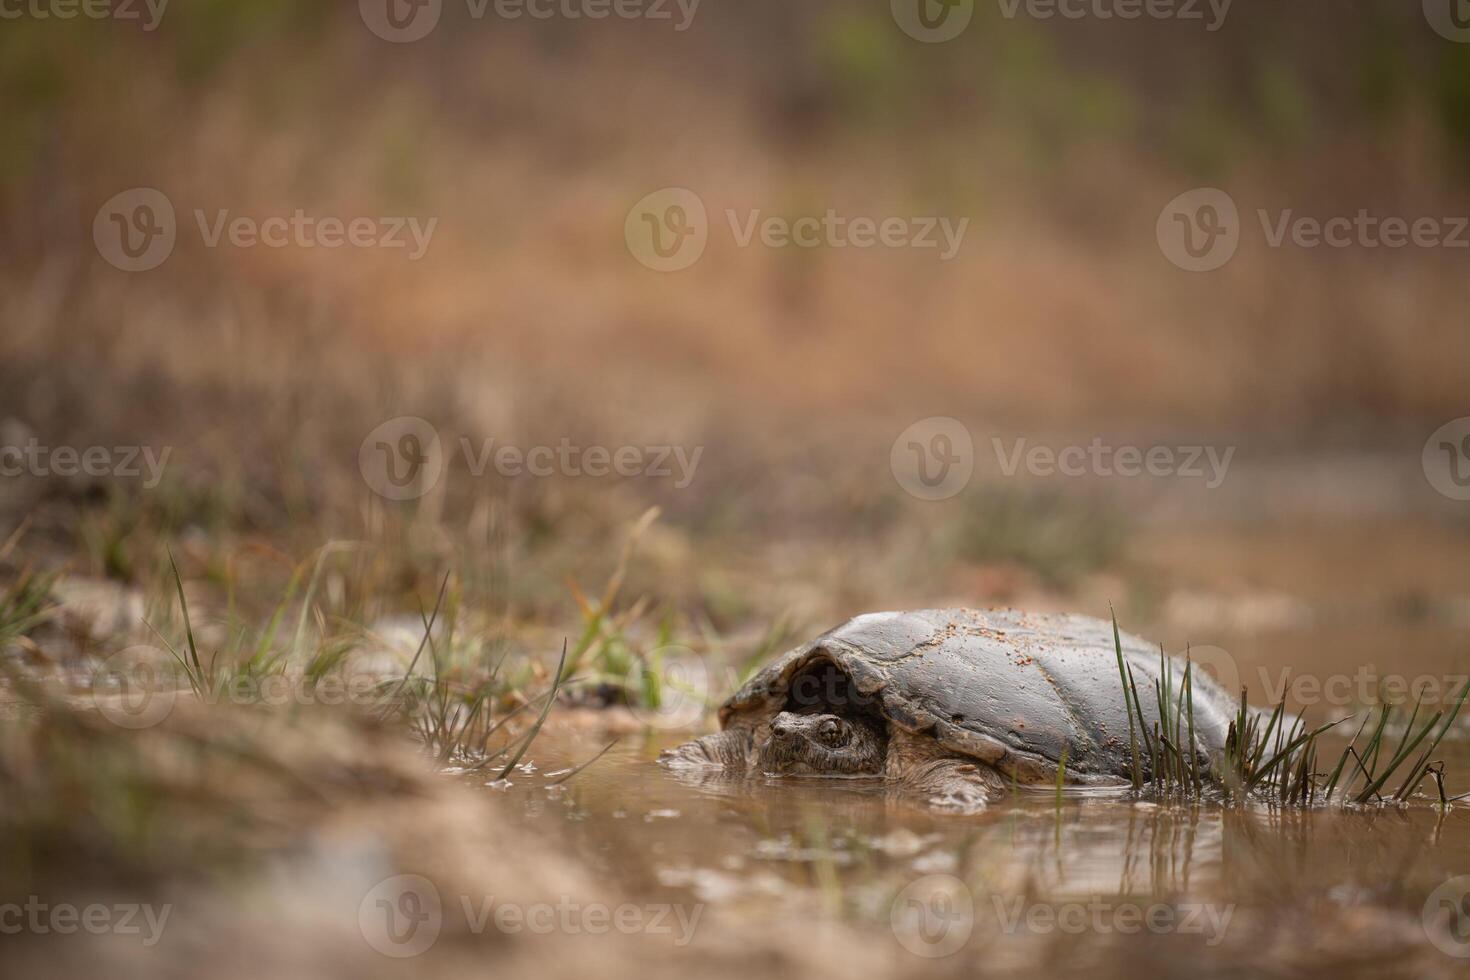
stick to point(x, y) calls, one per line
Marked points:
point(956, 787)
point(690, 755)
point(960, 799)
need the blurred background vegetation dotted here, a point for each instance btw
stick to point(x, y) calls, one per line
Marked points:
point(529, 322)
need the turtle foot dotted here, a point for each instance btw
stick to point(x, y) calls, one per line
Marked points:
point(956, 787)
point(721, 751)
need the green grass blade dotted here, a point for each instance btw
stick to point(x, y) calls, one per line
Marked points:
point(546, 710)
point(601, 752)
point(188, 627)
point(1061, 776)
point(1405, 747)
point(420, 651)
point(1125, 679)
point(1287, 750)
point(1342, 759)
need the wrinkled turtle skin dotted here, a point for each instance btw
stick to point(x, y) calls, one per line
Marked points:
point(1006, 691)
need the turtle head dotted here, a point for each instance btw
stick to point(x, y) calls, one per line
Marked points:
point(822, 745)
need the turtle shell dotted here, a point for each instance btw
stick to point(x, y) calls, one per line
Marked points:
point(1012, 689)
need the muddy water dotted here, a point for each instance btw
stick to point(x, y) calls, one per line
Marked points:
point(1330, 619)
point(1089, 880)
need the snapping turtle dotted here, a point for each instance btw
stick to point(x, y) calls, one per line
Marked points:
point(950, 705)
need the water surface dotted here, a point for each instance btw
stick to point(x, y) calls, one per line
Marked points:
point(1092, 877)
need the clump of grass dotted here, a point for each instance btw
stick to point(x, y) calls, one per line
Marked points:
point(25, 605)
point(460, 722)
point(617, 657)
point(460, 708)
point(244, 657)
point(603, 642)
point(1272, 758)
point(1274, 762)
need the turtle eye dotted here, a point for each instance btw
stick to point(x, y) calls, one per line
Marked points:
point(830, 731)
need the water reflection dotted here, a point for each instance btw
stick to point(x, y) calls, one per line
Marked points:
point(1252, 882)
point(1093, 841)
